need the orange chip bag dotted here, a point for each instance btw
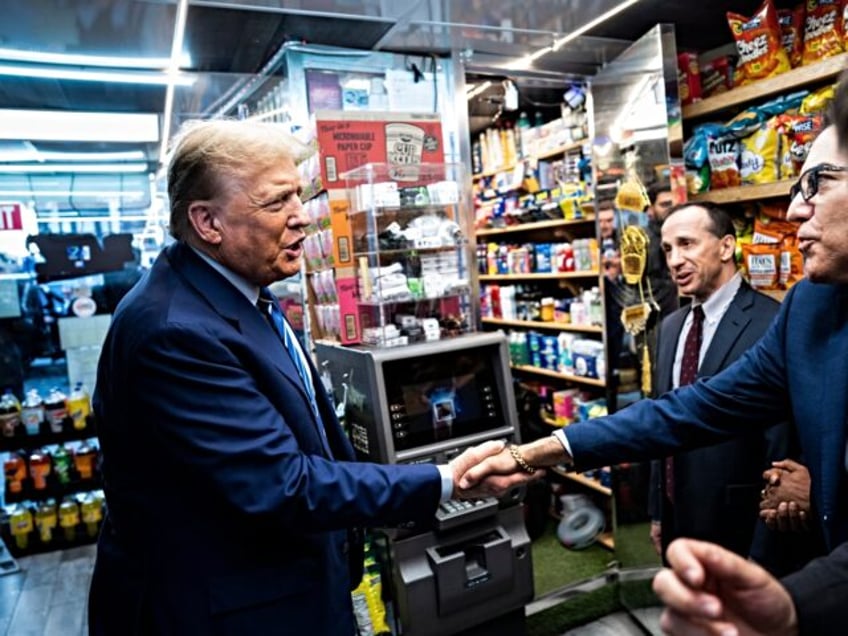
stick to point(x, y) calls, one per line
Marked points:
point(791, 263)
point(758, 41)
point(767, 230)
point(723, 156)
point(772, 210)
point(762, 263)
point(792, 31)
point(822, 30)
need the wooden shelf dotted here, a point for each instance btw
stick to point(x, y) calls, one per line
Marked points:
point(746, 193)
point(553, 152)
point(758, 91)
point(529, 227)
point(581, 479)
point(559, 376)
point(555, 276)
point(534, 324)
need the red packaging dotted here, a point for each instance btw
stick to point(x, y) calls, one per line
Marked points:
point(688, 78)
point(822, 30)
point(716, 76)
point(758, 40)
point(792, 31)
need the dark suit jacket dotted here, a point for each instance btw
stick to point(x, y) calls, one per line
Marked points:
point(226, 513)
point(798, 369)
point(717, 488)
point(819, 592)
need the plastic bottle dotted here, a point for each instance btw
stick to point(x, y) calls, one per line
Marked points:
point(32, 412)
point(20, 525)
point(79, 406)
point(46, 520)
point(10, 414)
point(69, 517)
point(84, 459)
point(62, 462)
point(92, 512)
point(56, 410)
point(39, 468)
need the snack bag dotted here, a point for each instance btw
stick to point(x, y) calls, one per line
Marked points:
point(773, 210)
point(759, 161)
point(791, 263)
point(716, 76)
point(818, 101)
point(758, 40)
point(799, 132)
point(822, 30)
point(688, 78)
point(724, 167)
point(767, 230)
point(792, 31)
point(761, 261)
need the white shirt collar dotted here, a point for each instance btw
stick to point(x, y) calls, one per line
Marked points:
point(715, 306)
point(250, 291)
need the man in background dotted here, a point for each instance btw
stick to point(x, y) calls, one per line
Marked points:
point(656, 270)
point(709, 493)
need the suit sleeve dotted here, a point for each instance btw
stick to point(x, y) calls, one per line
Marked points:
point(749, 393)
point(215, 425)
point(819, 592)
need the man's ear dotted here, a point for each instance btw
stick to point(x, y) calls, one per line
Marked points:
point(728, 248)
point(203, 218)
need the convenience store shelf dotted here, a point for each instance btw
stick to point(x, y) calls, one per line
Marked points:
point(744, 193)
point(581, 479)
point(535, 324)
point(553, 152)
point(784, 83)
point(577, 379)
point(554, 276)
point(529, 227)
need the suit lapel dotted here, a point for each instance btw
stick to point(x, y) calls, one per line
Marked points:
point(731, 326)
point(668, 347)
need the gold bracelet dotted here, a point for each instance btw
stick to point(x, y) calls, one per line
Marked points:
point(523, 465)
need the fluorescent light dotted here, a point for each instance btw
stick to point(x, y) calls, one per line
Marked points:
point(46, 220)
point(160, 78)
point(73, 59)
point(93, 168)
point(173, 68)
point(57, 125)
point(97, 194)
point(527, 60)
point(477, 90)
point(127, 155)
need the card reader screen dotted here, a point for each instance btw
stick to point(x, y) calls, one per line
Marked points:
point(442, 396)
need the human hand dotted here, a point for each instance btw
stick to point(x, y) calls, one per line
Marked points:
point(499, 473)
point(710, 590)
point(471, 457)
point(785, 504)
point(656, 536)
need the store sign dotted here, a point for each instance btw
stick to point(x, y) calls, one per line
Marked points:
point(10, 216)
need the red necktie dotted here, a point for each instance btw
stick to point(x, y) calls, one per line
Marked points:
point(688, 373)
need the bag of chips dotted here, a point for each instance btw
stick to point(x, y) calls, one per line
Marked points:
point(759, 160)
point(724, 167)
point(758, 41)
point(822, 30)
point(761, 261)
point(792, 30)
point(791, 263)
point(716, 76)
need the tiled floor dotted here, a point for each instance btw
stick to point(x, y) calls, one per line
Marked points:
point(48, 596)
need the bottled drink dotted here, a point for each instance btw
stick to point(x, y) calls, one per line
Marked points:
point(62, 465)
point(10, 414)
point(79, 406)
point(20, 525)
point(39, 468)
point(55, 410)
point(69, 517)
point(84, 460)
point(46, 520)
point(92, 513)
point(32, 412)
point(14, 468)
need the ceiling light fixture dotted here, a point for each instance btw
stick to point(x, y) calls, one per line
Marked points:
point(62, 125)
point(173, 71)
point(154, 78)
point(526, 61)
point(76, 59)
point(480, 88)
point(87, 168)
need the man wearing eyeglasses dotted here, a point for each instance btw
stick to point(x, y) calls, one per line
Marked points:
point(800, 368)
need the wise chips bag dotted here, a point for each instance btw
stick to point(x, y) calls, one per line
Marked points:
point(759, 43)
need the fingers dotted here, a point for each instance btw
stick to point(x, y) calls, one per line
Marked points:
point(771, 476)
point(787, 465)
point(695, 560)
point(498, 485)
point(473, 456)
point(770, 518)
point(682, 599)
point(500, 464)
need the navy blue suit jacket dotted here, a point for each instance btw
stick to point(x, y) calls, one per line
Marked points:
point(718, 487)
point(799, 368)
point(226, 515)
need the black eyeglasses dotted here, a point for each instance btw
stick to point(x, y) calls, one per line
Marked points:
point(808, 183)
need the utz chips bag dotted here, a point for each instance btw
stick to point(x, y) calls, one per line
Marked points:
point(723, 156)
point(761, 261)
point(759, 161)
point(758, 41)
point(792, 31)
point(822, 30)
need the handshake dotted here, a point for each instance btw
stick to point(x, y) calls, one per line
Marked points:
point(494, 467)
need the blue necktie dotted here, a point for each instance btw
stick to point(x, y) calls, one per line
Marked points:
point(271, 308)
